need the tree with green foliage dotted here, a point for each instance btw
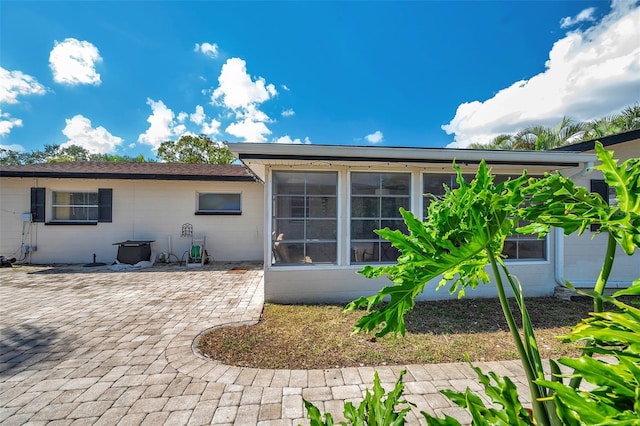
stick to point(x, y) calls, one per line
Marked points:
point(194, 149)
point(627, 119)
point(537, 138)
point(59, 154)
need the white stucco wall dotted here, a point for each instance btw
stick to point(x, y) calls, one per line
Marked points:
point(142, 210)
point(340, 283)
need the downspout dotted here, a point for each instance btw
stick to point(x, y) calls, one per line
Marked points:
point(558, 266)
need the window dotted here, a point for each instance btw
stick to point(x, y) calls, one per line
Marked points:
point(376, 199)
point(305, 217)
point(433, 187)
point(525, 246)
point(516, 246)
point(608, 194)
point(38, 202)
point(74, 206)
point(218, 204)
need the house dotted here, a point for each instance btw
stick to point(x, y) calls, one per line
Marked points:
point(307, 211)
point(574, 265)
point(322, 204)
point(66, 212)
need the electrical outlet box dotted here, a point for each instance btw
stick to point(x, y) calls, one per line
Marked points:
point(29, 249)
point(26, 217)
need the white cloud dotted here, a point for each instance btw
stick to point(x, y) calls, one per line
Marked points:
point(208, 49)
point(242, 95)
point(287, 139)
point(162, 126)
point(584, 16)
point(13, 147)
point(285, 87)
point(254, 114)
point(16, 83)
point(249, 130)
point(208, 128)
point(288, 113)
point(375, 137)
point(589, 74)
point(179, 129)
point(97, 141)
point(199, 116)
point(73, 62)
point(237, 90)
point(211, 128)
point(7, 123)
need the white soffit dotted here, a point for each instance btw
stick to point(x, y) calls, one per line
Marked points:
point(253, 154)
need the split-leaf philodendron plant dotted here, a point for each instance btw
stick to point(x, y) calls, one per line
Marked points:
point(465, 231)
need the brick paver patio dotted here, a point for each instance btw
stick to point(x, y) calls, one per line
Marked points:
point(93, 346)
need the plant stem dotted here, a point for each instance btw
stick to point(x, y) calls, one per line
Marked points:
point(539, 410)
point(604, 272)
point(601, 283)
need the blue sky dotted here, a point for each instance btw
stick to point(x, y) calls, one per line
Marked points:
point(121, 77)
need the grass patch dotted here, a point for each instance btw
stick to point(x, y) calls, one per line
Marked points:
point(319, 336)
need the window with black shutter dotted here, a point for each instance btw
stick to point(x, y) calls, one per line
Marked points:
point(79, 207)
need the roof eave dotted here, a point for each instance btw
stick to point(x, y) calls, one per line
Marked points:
point(125, 176)
point(265, 152)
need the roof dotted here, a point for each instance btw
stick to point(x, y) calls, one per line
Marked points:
point(143, 171)
point(258, 156)
point(292, 153)
point(590, 145)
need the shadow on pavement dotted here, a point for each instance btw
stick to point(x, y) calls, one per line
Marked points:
point(24, 345)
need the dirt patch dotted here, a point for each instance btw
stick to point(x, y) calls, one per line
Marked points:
point(304, 336)
point(237, 270)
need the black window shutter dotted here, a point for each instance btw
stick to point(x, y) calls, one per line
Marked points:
point(105, 201)
point(599, 186)
point(37, 204)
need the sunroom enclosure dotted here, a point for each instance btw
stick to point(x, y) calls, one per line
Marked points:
point(321, 212)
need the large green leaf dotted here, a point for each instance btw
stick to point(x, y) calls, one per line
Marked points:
point(451, 245)
point(556, 201)
point(501, 391)
point(625, 178)
point(614, 398)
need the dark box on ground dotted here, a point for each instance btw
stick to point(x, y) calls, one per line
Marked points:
point(132, 252)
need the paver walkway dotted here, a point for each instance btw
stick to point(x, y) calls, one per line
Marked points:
point(93, 346)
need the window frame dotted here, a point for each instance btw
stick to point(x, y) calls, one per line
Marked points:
point(515, 238)
point(42, 206)
point(379, 241)
point(69, 205)
point(300, 213)
point(218, 212)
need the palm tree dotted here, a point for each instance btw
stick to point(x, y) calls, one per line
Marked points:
point(538, 138)
point(627, 119)
point(499, 142)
